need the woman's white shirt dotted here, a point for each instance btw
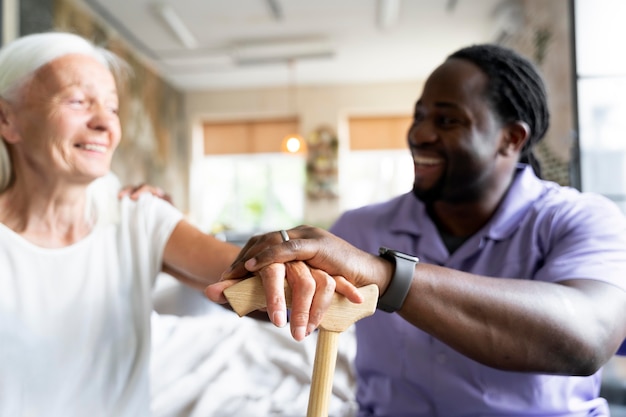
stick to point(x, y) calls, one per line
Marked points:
point(75, 321)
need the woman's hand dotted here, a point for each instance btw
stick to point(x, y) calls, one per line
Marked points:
point(315, 263)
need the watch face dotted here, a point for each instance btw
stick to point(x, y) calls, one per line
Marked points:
point(383, 251)
point(406, 256)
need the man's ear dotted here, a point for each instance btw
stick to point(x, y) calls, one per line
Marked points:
point(516, 134)
point(7, 122)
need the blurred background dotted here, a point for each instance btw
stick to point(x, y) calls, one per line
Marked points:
point(259, 115)
point(219, 85)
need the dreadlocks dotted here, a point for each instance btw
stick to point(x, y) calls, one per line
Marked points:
point(515, 90)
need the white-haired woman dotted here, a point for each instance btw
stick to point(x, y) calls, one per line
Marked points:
point(75, 286)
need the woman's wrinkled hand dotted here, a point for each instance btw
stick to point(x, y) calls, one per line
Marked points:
point(315, 263)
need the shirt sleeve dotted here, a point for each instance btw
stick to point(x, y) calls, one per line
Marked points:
point(155, 220)
point(586, 241)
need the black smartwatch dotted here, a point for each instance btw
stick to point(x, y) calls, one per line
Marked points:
point(398, 288)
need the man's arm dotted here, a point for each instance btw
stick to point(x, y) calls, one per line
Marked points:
point(572, 327)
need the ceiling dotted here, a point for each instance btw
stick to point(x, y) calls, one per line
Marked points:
point(234, 44)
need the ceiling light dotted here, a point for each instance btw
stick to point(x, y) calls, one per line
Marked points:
point(274, 7)
point(294, 144)
point(176, 25)
point(208, 61)
point(281, 50)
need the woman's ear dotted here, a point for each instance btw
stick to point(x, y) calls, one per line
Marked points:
point(7, 122)
point(516, 134)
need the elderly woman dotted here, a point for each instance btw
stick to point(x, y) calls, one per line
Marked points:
point(75, 280)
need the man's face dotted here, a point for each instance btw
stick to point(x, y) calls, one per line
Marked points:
point(455, 136)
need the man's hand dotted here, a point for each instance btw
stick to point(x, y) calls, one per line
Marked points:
point(134, 191)
point(315, 263)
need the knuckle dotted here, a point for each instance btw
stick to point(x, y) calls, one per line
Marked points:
point(307, 286)
point(326, 283)
point(299, 317)
point(275, 301)
point(331, 284)
point(293, 245)
point(316, 318)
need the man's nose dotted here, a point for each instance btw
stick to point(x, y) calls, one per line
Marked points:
point(421, 132)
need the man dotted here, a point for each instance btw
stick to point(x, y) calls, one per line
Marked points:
point(517, 299)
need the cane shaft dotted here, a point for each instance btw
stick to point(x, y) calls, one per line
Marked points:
point(323, 373)
point(249, 295)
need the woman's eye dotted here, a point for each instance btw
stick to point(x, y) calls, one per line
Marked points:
point(112, 106)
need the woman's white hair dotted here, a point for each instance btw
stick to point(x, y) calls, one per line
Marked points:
point(20, 59)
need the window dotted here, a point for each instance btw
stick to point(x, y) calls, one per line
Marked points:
point(601, 84)
point(251, 193)
point(378, 165)
point(245, 184)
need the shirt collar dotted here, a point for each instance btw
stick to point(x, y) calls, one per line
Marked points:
point(410, 216)
point(525, 188)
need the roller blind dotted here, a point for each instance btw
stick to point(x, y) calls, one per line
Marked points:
point(384, 132)
point(245, 137)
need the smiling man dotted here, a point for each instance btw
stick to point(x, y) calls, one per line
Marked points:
point(517, 299)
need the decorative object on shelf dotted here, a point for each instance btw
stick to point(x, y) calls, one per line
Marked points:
point(321, 167)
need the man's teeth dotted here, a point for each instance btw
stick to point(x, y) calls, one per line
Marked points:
point(93, 147)
point(426, 161)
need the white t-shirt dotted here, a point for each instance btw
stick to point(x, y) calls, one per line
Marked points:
point(75, 321)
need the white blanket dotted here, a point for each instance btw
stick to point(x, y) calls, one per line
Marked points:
point(216, 364)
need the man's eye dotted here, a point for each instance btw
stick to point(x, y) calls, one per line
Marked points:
point(447, 121)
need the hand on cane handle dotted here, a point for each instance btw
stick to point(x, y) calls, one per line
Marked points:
point(248, 295)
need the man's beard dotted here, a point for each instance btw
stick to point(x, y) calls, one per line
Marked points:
point(442, 192)
point(430, 195)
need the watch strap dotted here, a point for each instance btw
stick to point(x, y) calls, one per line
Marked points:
point(395, 294)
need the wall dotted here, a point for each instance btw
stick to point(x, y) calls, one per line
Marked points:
point(35, 16)
point(540, 31)
point(315, 106)
point(160, 146)
point(543, 33)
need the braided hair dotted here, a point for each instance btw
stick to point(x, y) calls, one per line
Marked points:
point(515, 90)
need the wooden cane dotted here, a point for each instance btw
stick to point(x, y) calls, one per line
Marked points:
point(248, 295)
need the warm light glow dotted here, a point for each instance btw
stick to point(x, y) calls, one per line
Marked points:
point(293, 144)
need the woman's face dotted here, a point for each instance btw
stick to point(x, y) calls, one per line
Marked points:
point(64, 122)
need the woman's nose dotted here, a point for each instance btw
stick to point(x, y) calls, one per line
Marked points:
point(103, 117)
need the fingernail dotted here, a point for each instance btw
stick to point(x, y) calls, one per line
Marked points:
point(250, 263)
point(279, 318)
point(299, 333)
point(310, 329)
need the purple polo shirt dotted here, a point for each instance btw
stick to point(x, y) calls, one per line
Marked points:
point(542, 232)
